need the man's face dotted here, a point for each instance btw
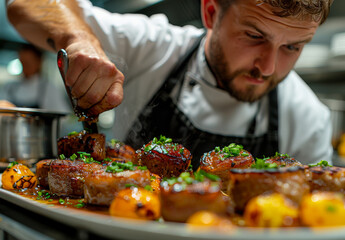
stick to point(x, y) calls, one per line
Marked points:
point(250, 50)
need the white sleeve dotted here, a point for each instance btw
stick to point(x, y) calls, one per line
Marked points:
point(304, 122)
point(137, 42)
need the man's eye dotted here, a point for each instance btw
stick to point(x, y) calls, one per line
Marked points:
point(253, 36)
point(292, 48)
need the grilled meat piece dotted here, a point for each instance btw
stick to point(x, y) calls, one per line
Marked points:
point(220, 161)
point(331, 179)
point(163, 157)
point(93, 143)
point(101, 187)
point(180, 201)
point(283, 160)
point(66, 177)
point(246, 184)
point(42, 170)
point(117, 149)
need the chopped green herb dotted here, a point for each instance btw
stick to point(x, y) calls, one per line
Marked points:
point(62, 201)
point(73, 157)
point(155, 142)
point(129, 185)
point(262, 164)
point(152, 177)
point(11, 164)
point(148, 188)
point(232, 150)
point(62, 157)
point(73, 133)
point(322, 163)
point(80, 205)
point(185, 178)
point(120, 167)
point(142, 167)
point(331, 208)
point(113, 142)
point(281, 155)
point(172, 181)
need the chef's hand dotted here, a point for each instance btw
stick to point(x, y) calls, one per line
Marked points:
point(94, 79)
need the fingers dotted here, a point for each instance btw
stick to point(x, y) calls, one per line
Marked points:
point(113, 98)
point(94, 81)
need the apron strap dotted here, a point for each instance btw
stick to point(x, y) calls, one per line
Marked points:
point(177, 72)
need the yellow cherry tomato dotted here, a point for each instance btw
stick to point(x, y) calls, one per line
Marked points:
point(136, 203)
point(207, 219)
point(272, 210)
point(323, 209)
point(18, 176)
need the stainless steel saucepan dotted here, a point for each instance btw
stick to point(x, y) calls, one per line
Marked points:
point(28, 135)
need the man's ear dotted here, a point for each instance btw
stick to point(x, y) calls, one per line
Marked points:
point(209, 11)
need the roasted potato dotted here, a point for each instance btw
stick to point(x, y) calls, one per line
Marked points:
point(271, 210)
point(321, 209)
point(18, 176)
point(136, 203)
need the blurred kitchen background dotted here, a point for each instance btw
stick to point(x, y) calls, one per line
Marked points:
point(322, 63)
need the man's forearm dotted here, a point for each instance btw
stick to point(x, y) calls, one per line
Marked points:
point(49, 24)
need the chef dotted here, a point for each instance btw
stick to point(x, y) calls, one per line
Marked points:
point(32, 90)
point(229, 82)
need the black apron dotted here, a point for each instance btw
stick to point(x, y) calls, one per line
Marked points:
point(161, 116)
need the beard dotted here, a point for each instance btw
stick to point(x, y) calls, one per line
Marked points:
point(226, 78)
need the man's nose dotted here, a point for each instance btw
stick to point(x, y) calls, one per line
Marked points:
point(267, 60)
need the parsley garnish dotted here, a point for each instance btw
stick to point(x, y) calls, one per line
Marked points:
point(155, 142)
point(43, 194)
point(262, 164)
point(86, 158)
point(322, 163)
point(129, 185)
point(186, 178)
point(11, 164)
point(148, 188)
point(73, 157)
point(232, 150)
point(120, 167)
point(81, 204)
point(281, 155)
point(73, 133)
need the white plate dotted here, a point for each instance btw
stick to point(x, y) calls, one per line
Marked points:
point(120, 228)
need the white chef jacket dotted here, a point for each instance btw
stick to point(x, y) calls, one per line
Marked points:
point(146, 49)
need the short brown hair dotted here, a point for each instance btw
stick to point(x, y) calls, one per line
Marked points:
point(316, 10)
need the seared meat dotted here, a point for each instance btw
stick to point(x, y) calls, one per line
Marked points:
point(331, 179)
point(245, 184)
point(180, 199)
point(220, 161)
point(101, 186)
point(93, 143)
point(66, 177)
point(42, 169)
point(117, 149)
point(283, 160)
point(163, 157)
